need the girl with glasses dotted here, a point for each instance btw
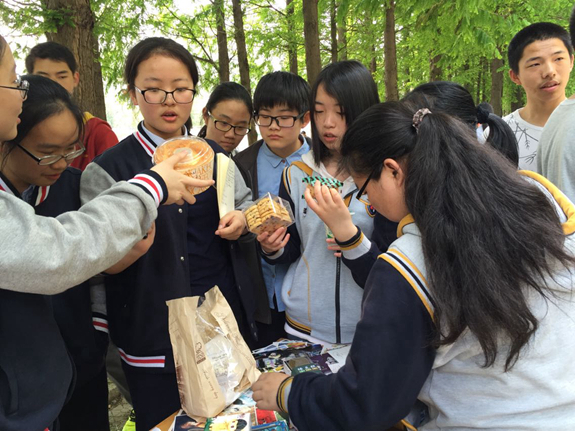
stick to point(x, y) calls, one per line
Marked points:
point(192, 250)
point(321, 298)
point(227, 116)
point(44, 256)
point(471, 310)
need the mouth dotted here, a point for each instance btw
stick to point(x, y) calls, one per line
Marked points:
point(54, 177)
point(550, 85)
point(274, 137)
point(329, 137)
point(170, 116)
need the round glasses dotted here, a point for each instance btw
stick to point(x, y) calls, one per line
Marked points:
point(223, 126)
point(50, 160)
point(284, 121)
point(21, 85)
point(157, 96)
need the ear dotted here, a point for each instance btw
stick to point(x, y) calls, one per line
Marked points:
point(571, 56)
point(305, 119)
point(514, 77)
point(205, 115)
point(76, 79)
point(133, 98)
point(392, 168)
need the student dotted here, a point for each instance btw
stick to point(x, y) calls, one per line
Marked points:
point(57, 62)
point(191, 250)
point(281, 103)
point(32, 168)
point(49, 255)
point(227, 116)
point(555, 156)
point(541, 58)
point(441, 96)
point(322, 300)
point(486, 258)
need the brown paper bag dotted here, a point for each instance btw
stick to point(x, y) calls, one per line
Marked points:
point(213, 362)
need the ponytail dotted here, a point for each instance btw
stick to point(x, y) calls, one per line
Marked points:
point(500, 135)
point(486, 232)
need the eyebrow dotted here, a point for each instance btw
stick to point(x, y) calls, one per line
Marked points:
point(41, 72)
point(153, 79)
point(561, 51)
point(47, 146)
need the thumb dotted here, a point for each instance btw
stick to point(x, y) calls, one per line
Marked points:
point(175, 159)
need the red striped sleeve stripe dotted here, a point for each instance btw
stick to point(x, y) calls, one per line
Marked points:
point(100, 324)
point(42, 194)
point(149, 148)
point(143, 361)
point(151, 185)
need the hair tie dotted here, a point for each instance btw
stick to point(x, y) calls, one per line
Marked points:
point(418, 117)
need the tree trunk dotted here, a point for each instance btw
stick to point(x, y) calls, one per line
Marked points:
point(333, 30)
point(478, 95)
point(80, 39)
point(311, 35)
point(435, 72)
point(292, 44)
point(223, 55)
point(496, 86)
point(390, 54)
point(342, 41)
point(243, 56)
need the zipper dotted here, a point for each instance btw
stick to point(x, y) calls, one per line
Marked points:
point(337, 301)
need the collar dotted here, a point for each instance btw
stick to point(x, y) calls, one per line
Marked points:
point(7, 187)
point(148, 140)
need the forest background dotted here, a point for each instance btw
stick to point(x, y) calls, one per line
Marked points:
point(403, 42)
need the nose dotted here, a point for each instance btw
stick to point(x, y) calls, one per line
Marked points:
point(230, 133)
point(170, 100)
point(275, 124)
point(548, 70)
point(60, 165)
point(329, 119)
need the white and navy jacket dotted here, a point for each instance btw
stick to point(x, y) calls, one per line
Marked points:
point(391, 364)
point(322, 299)
point(136, 297)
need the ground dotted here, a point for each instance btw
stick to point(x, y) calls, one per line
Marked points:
point(118, 408)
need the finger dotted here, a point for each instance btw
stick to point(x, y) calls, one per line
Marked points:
point(311, 202)
point(175, 158)
point(337, 254)
point(317, 188)
point(188, 197)
point(277, 234)
point(285, 241)
point(194, 182)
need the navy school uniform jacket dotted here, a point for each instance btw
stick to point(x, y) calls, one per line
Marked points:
point(36, 371)
point(84, 332)
point(136, 297)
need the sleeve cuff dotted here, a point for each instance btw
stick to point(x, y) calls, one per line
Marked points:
point(283, 394)
point(356, 246)
point(272, 256)
point(153, 184)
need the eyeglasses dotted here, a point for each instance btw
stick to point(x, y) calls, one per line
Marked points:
point(50, 160)
point(223, 126)
point(21, 85)
point(157, 96)
point(362, 189)
point(284, 121)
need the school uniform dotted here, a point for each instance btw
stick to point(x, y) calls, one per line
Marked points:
point(84, 332)
point(391, 363)
point(186, 259)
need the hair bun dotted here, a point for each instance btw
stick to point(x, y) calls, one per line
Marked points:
point(482, 114)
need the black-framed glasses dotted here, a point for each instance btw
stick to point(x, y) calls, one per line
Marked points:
point(21, 85)
point(368, 179)
point(157, 96)
point(283, 121)
point(224, 126)
point(50, 160)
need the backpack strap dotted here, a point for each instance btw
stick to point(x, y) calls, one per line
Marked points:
point(286, 177)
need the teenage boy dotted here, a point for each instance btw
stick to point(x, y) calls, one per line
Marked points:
point(55, 61)
point(541, 58)
point(556, 154)
point(281, 110)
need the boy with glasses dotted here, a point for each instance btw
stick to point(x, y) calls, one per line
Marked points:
point(281, 111)
point(57, 62)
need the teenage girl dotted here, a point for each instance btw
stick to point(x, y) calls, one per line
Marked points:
point(191, 251)
point(471, 310)
point(48, 255)
point(322, 300)
point(440, 96)
point(227, 116)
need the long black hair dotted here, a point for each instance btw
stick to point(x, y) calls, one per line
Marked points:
point(351, 84)
point(227, 91)
point(46, 98)
point(455, 100)
point(487, 234)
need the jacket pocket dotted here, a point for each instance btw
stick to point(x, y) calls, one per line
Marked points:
point(8, 390)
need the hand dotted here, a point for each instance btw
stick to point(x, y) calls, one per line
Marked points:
point(178, 183)
point(274, 242)
point(332, 245)
point(232, 225)
point(140, 249)
point(266, 390)
point(330, 208)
